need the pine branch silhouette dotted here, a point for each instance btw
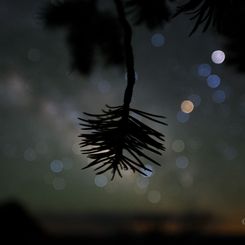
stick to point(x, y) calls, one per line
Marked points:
point(116, 131)
point(152, 13)
point(91, 30)
point(206, 12)
point(87, 31)
point(227, 17)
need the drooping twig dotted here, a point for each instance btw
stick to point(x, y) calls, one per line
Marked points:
point(129, 56)
point(116, 132)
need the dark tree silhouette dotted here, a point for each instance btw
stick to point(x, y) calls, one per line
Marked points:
point(115, 131)
point(207, 12)
point(227, 17)
point(88, 30)
point(152, 14)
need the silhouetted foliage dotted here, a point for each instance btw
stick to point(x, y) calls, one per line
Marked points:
point(206, 12)
point(227, 17)
point(232, 28)
point(88, 31)
point(151, 13)
point(116, 131)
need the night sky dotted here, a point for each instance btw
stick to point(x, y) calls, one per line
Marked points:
point(41, 98)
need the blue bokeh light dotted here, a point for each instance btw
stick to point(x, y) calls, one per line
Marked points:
point(100, 180)
point(195, 99)
point(182, 162)
point(30, 155)
point(157, 40)
point(204, 70)
point(148, 173)
point(213, 81)
point(104, 86)
point(182, 117)
point(56, 166)
point(219, 96)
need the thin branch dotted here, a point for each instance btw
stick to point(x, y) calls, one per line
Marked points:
point(129, 57)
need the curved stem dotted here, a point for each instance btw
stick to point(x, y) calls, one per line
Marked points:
point(129, 57)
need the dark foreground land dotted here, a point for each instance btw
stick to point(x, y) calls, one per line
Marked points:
point(122, 239)
point(18, 227)
point(151, 239)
